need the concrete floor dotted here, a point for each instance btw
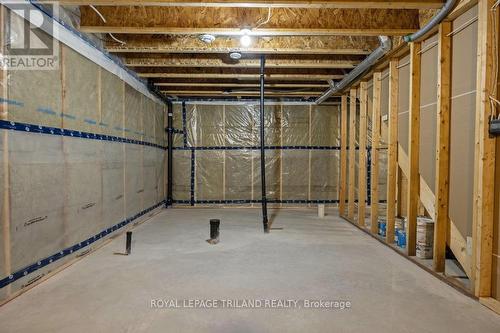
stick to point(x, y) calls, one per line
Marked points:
point(311, 258)
point(452, 266)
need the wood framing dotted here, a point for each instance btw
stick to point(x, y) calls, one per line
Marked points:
point(227, 21)
point(491, 303)
point(442, 187)
point(363, 106)
point(290, 45)
point(392, 160)
point(284, 77)
point(401, 190)
point(194, 61)
point(484, 156)
point(238, 93)
point(179, 85)
point(352, 155)
point(256, 32)
point(343, 155)
point(399, 4)
point(455, 240)
point(4, 115)
point(413, 148)
point(377, 92)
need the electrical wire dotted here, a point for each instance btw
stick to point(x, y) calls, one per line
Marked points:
point(117, 40)
point(98, 13)
point(267, 19)
point(104, 20)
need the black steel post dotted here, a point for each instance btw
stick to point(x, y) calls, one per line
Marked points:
point(262, 147)
point(170, 156)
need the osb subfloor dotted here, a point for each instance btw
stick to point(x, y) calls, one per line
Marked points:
point(310, 258)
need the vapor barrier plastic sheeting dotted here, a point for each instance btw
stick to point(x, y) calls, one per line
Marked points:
point(217, 156)
point(83, 155)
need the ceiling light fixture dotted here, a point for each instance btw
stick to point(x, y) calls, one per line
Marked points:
point(235, 55)
point(207, 38)
point(245, 39)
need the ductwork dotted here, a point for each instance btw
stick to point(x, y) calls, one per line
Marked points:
point(443, 12)
point(385, 46)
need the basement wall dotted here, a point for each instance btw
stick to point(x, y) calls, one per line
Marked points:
point(464, 46)
point(83, 157)
point(217, 156)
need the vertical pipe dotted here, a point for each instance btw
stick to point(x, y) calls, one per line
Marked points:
point(128, 242)
point(262, 147)
point(170, 156)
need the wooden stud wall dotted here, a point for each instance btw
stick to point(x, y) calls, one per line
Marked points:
point(392, 167)
point(363, 105)
point(352, 154)
point(484, 168)
point(442, 187)
point(413, 148)
point(4, 112)
point(343, 155)
point(377, 92)
point(417, 193)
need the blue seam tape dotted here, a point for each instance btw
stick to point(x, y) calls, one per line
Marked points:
point(46, 110)
point(66, 115)
point(258, 148)
point(184, 125)
point(177, 131)
point(11, 102)
point(243, 201)
point(193, 171)
point(90, 121)
point(63, 253)
point(10, 125)
point(247, 201)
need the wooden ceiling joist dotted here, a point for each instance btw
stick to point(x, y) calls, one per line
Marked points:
point(284, 77)
point(230, 21)
point(320, 45)
point(183, 85)
point(242, 63)
point(260, 32)
point(238, 71)
point(394, 4)
point(239, 92)
point(235, 80)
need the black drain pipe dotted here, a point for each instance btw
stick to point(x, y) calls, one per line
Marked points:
point(262, 146)
point(170, 156)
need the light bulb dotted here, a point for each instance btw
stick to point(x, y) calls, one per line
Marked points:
point(245, 41)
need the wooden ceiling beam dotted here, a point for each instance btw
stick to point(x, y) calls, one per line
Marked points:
point(230, 21)
point(394, 4)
